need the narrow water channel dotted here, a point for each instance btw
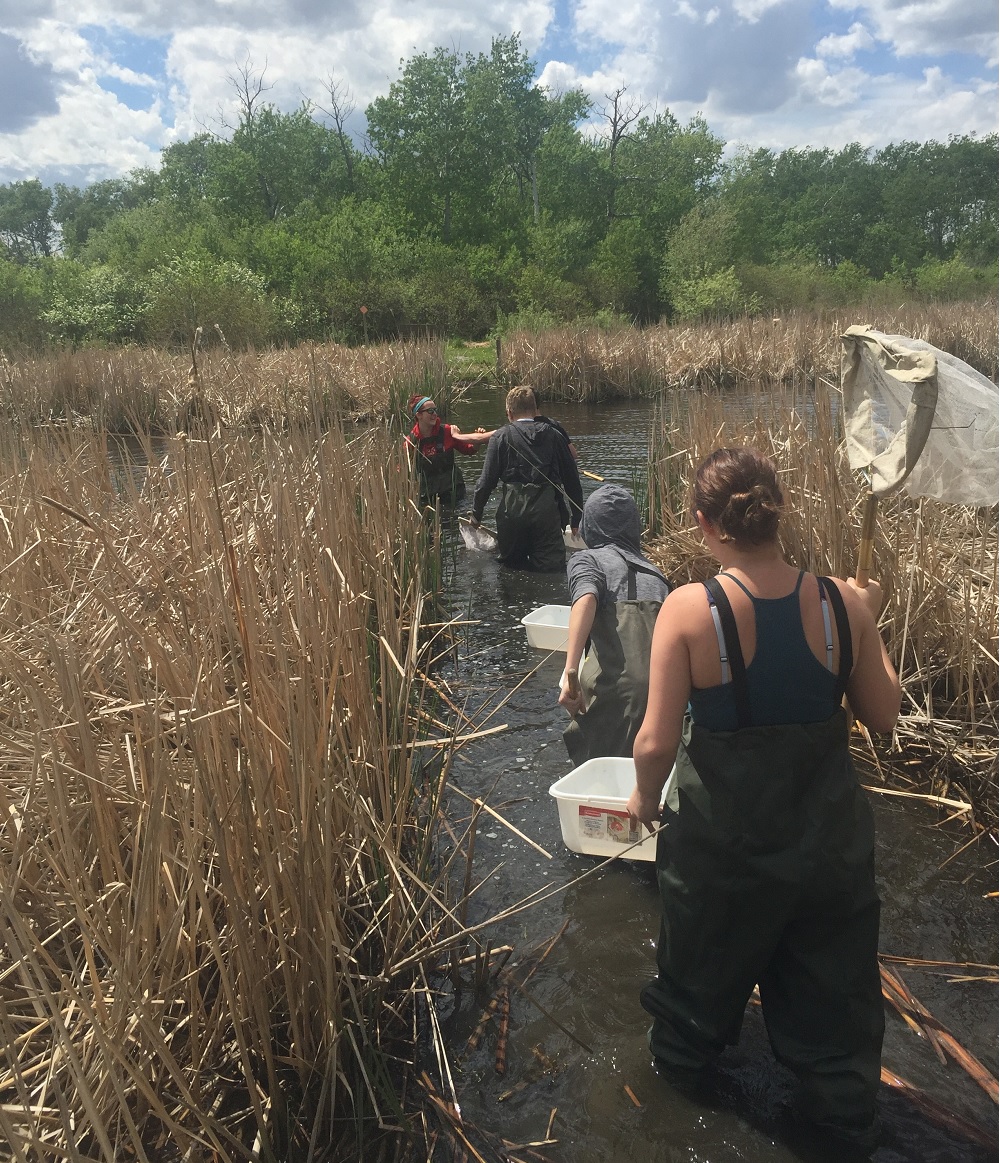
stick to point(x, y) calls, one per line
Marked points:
point(580, 1051)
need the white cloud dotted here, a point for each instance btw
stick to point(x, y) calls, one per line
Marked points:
point(888, 107)
point(28, 87)
point(931, 27)
point(626, 22)
point(92, 136)
point(560, 77)
point(835, 89)
point(753, 67)
point(856, 39)
point(753, 10)
point(691, 13)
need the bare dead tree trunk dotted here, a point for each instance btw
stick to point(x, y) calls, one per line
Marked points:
point(250, 89)
point(620, 116)
point(342, 105)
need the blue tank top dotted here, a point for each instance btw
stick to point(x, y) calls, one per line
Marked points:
point(786, 682)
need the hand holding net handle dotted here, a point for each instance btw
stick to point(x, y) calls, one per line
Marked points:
point(866, 547)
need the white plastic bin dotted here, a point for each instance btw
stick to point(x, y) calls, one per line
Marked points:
point(547, 627)
point(573, 543)
point(591, 801)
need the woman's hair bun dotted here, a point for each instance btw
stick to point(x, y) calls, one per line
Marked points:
point(737, 490)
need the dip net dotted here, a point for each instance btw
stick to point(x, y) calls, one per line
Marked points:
point(919, 419)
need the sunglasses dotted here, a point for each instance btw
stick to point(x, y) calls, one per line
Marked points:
point(431, 411)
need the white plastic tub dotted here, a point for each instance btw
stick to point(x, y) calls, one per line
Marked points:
point(591, 801)
point(573, 543)
point(547, 627)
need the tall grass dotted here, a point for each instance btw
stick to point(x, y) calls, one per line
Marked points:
point(217, 891)
point(591, 363)
point(937, 564)
point(131, 389)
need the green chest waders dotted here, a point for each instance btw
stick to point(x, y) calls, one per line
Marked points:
point(440, 476)
point(529, 534)
point(614, 678)
point(766, 875)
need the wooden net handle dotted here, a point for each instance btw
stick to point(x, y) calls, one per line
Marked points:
point(866, 548)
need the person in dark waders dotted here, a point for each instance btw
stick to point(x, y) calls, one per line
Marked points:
point(765, 859)
point(532, 461)
point(434, 446)
point(615, 594)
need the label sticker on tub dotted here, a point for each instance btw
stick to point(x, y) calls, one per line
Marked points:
point(606, 824)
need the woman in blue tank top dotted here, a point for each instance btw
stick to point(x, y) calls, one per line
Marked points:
point(765, 860)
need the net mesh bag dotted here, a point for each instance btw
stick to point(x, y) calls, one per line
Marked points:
point(918, 418)
point(477, 538)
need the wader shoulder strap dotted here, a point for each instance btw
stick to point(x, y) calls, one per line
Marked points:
point(733, 657)
point(633, 567)
point(522, 446)
point(436, 442)
point(836, 600)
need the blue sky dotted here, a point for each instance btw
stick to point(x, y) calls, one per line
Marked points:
point(91, 89)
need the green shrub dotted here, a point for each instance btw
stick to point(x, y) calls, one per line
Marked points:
point(714, 296)
point(196, 290)
point(539, 292)
point(98, 304)
point(22, 300)
point(953, 280)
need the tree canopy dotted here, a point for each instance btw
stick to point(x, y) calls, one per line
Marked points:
point(478, 196)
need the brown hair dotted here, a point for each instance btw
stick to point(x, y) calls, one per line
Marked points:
point(737, 490)
point(521, 401)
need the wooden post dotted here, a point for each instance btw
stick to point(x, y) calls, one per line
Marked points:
point(499, 360)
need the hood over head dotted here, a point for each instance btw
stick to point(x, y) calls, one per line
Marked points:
point(611, 517)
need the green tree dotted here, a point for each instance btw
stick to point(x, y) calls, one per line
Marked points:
point(457, 142)
point(22, 301)
point(79, 212)
point(196, 290)
point(26, 227)
point(420, 137)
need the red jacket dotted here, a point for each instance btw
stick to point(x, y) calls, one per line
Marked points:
point(440, 440)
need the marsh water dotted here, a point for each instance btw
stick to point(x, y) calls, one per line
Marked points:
point(577, 1065)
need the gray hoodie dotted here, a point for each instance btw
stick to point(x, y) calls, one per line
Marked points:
point(612, 529)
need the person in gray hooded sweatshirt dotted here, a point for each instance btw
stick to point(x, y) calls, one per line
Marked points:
point(615, 594)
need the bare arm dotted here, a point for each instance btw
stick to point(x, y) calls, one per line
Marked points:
point(581, 622)
point(669, 690)
point(873, 689)
point(480, 436)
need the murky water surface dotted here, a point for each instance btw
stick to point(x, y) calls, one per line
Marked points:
point(587, 1067)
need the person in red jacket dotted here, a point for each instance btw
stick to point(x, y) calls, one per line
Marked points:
point(434, 445)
